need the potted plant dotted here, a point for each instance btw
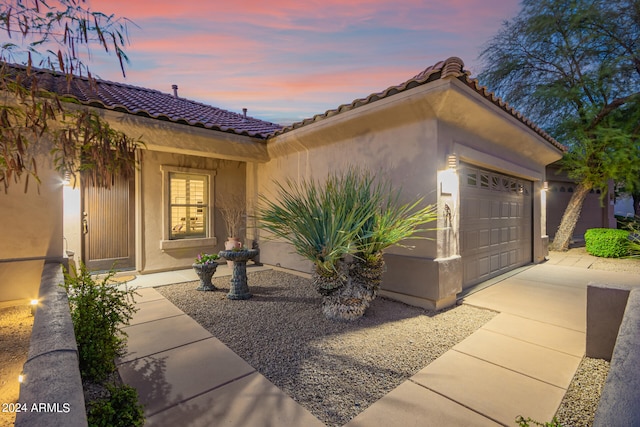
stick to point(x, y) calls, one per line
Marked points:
point(232, 211)
point(205, 266)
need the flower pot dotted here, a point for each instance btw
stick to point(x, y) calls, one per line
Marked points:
point(205, 272)
point(232, 243)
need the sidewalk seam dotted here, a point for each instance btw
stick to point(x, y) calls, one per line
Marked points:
point(155, 320)
point(509, 369)
point(163, 350)
point(203, 392)
point(484, 328)
point(458, 403)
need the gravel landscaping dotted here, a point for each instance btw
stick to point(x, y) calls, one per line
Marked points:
point(334, 369)
point(15, 332)
point(579, 404)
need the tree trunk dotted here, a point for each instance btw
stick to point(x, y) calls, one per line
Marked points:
point(636, 203)
point(570, 219)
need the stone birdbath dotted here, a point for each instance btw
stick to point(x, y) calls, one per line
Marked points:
point(239, 288)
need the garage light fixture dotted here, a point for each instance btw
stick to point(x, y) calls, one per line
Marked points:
point(452, 162)
point(545, 186)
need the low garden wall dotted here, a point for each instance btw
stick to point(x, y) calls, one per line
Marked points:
point(51, 394)
point(613, 333)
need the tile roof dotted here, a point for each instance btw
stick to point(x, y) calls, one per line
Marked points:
point(158, 105)
point(451, 67)
point(151, 103)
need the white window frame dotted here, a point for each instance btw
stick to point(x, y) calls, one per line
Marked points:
point(195, 242)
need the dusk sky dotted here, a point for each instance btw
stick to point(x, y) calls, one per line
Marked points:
point(286, 60)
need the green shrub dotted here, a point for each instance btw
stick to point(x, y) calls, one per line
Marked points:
point(634, 243)
point(98, 310)
point(606, 242)
point(121, 409)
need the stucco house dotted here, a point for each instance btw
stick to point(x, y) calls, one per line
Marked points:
point(439, 135)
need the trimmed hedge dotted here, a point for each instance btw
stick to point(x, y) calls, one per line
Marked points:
point(607, 242)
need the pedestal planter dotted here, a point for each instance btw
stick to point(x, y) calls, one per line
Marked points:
point(239, 288)
point(205, 272)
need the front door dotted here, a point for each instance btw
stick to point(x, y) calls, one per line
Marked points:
point(108, 226)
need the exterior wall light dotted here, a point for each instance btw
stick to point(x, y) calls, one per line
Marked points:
point(449, 177)
point(452, 162)
point(34, 306)
point(545, 186)
point(21, 377)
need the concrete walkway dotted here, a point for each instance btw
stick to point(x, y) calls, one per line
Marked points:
point(519, 363)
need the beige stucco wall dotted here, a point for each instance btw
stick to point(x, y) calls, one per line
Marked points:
point(407, 138)
point(229, 176)
point(30, 230)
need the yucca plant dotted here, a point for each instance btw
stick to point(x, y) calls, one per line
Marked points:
point(310, 216)
point(342, 226)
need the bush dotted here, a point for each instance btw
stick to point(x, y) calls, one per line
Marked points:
point(606, 242)
point(121, 409)
point(98, 309)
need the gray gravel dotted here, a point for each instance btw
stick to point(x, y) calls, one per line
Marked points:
point(334, 369)
point(581, 400)
point(338, 369)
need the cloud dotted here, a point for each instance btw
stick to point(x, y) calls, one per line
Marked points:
point(285, 56)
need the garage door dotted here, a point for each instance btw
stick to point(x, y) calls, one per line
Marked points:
point(495, 223)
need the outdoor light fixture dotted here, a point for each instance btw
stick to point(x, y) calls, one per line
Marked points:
point(545, 186)
point(449, 177)
point(21, 377)
point(34, 306)
point(452, 161)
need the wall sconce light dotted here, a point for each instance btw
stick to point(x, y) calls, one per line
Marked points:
point(452, 162)
point(21, 377)
point(34, 306)
point(545, 186)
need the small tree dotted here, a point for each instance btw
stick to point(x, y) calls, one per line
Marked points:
point(30, 115)
point(574, 67)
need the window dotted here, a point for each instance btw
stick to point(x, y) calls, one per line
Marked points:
point(188, 205)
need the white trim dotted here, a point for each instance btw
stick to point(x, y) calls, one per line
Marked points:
point(210, 239)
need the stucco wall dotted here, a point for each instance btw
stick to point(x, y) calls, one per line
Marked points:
point(403, 154)
point(229, 177)
point(407, 138)
point(30, 230)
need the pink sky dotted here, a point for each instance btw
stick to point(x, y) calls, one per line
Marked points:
point(286, 60)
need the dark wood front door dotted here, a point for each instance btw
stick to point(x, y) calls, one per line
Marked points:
point(108, 226)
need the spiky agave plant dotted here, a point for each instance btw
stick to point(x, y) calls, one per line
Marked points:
point(391, 224)
point(319, 224)
point(349, 214)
